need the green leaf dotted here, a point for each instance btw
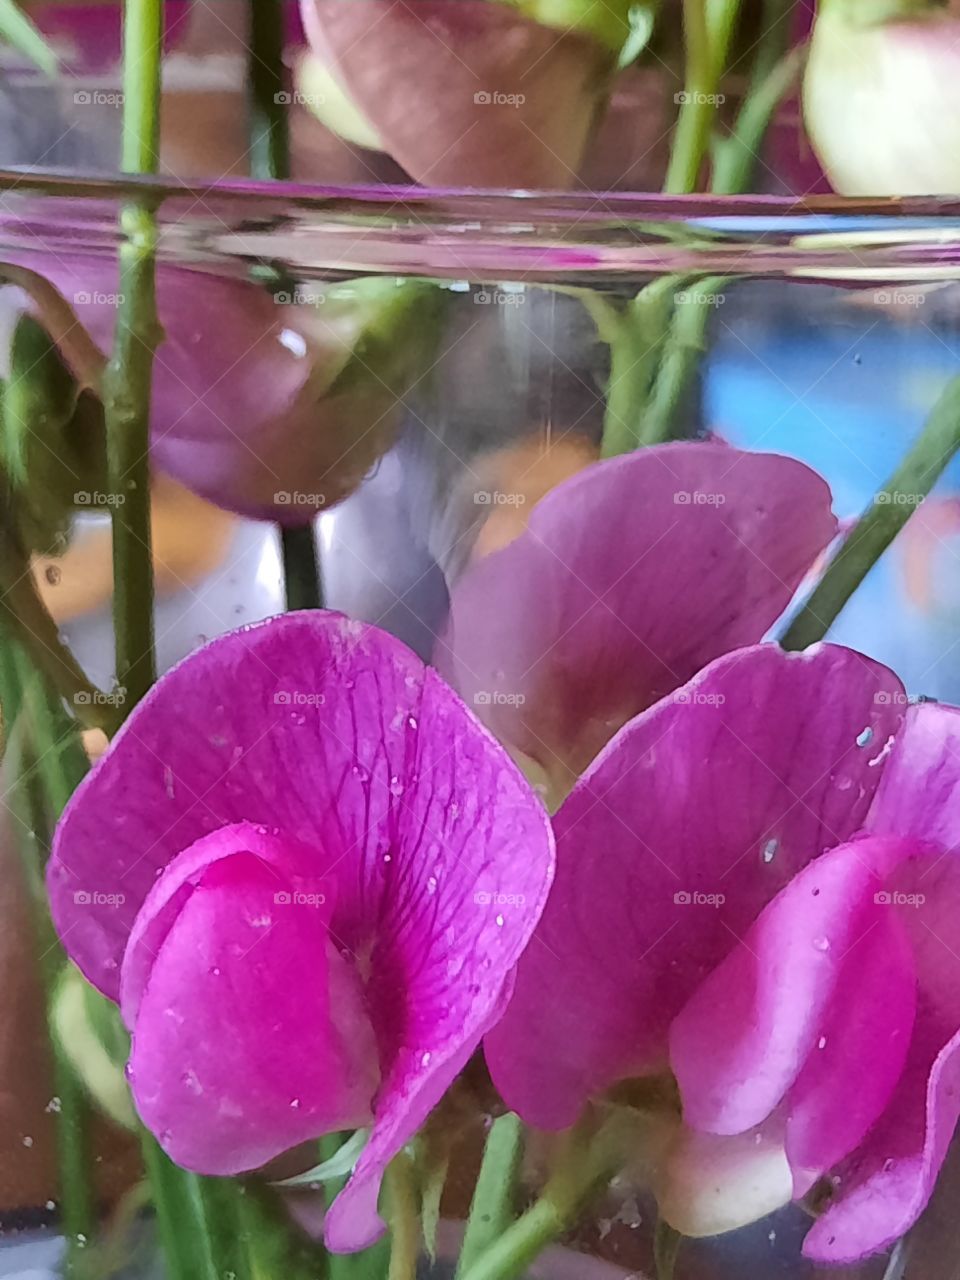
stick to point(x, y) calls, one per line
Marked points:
point(340, 1165)
point(17, 30)
point(642, 19)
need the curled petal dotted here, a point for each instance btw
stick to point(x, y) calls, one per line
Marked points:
point(630, 577)
point(885, 1185)
point(250, 1032)
point(335, 736)
point(743, 1038)
point(662, 865)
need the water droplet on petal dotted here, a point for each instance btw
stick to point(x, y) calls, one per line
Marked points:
point(53, 574)
point(499, 922)
point(294, 1102)
point(27, 1140)
point(396, 787)
point(769, 851)
point(425, 1059)
point(822, 1042)
point(432, 884)
point(821, 944)
point(865, 737)
point(412, 721)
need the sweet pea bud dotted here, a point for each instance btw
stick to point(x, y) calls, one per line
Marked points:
point(881, 97)
point(51, 438)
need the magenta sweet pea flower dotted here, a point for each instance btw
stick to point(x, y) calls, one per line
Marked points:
point(468, 93)
point(757, 893)
point(630, 577)
point(306, 874)
point(274, 406)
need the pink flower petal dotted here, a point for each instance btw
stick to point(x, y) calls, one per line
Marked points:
point(466, 94)
point(631, 576)
point(245, 406)
point(335, 736)
point(885, 1185)
point(664, 863)
point(741, 1040)
point(250, 1034)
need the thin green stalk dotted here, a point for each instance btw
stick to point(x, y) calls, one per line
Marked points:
point(493, 1206)
point(127, 417)
point(666, 1250)
point(34, 755)
point(635, 338)
point(708, 27)
point(735, 159)
point(584, 1166)
point(270, 161)
point(180, 1215)
point(301, 568)
point(403, 1213)
point(890, 510)
point(27, 618)
point(128, 376)
point(680, 358)
point(269, 142)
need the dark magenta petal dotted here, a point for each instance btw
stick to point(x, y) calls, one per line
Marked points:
point(804, 979)
point(335, 736)
point(631, 576)
point(250, 1032)
point(664, 863)
point(245, 407)
point(468, 94)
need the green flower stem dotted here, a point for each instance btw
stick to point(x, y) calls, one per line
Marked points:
point(301, 568)
point(635, 337)
point(584, 1166)
point(270, 161)
point(492, 1208)
point(403, 1213)
point(35, 755)
point(126, 383)
point(890, 510)
point(735, 158)
point(127, 417)
point(680, 357)
point(182, 1226)
point(28, 619)
point(666, 1250)
point(269, 142)
point(708, 31)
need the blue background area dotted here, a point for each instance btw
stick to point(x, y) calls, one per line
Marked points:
point(848, 399)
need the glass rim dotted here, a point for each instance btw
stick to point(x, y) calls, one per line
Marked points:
point(466, 233)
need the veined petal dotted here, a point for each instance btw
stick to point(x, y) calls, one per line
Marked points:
point(630, 577)
point(664, 863)
point(336, 737)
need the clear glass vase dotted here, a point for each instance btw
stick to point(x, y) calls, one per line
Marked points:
point(443, 359)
